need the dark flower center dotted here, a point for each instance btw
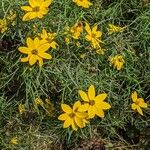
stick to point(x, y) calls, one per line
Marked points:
point(92, 102)
point(71, 115)
point(36, 9)
point(34, 52)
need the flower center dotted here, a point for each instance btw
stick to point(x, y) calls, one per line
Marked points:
point(93, 35)
point(36, 9)
point(34, 52)
point(91, 102)
point(137, 102)
point(72, 115)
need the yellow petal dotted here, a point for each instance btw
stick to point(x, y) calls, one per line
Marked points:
point(74, 126)
point(67, 122)
point(79, 122)
point(25, 59)
point(44, 47)
point(134, 96)
point(99, 112)
point(32, 60)
point(24, 50)
point(100, 97)
point(47, 3)
point(143, 104)
point(76, 105)
point(66, 108)
point(139, 110)
point(91, 92)
point(88, 29)
point(36, 42)
point(91, 111)
point(32, 3)
point(88, 37)
point(134, 106)
point(40, 61)
point(103, 105)
point(84, 107)
point(30, 43)
point(26, 16)
point(26, 8)
point(45, 55)
point(63, 117)
point(81, 115)
point(83, 95)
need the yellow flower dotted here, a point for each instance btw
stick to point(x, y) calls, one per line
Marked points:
point(73, 117)
point(37, 9)
point(14, 141)
point(95, 105)
point(117, 61)
point(21, 108)
point(36, 51)
point(93, 36)
point(83, 3)
point(38, 101)
point(138, 103)
point(49, 38)
point(76, 30)
point(3, 25)
point(113, 29)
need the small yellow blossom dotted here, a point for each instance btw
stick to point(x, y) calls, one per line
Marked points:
point(3, 25)
point(138, 103)
point(36, 51)
point(83, 55)
point(83, 3)
point(72, 117)
point(100, 51)
point(76, 30)
point(38, 101)
point(21, 108)
point(14, 141)
point(117, 61)
point(93, 36)
point(37, 9)
point(95, 105)
point(49, 38)
point(113, 29)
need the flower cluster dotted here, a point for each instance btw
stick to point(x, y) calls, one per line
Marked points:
point(81, 113)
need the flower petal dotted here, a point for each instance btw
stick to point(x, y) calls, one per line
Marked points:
point(40, 61)
point(91, 92)
point(100, 97)
point(134, 96)
point(134, 106)
point(74, 126)
point(103, 105)
point(91, 112)
point(76, 105)
point(84, 107)
point(99, 112)
point(25, 59)
point(32, 59)
point(66, 108)
point(79, 122)
point(63, 117)
point(139, 110)
point(67, 122)
point(83, 95)
point(30, 43)
point(44, 47)
point(87, 28)
point(26, 8)
point(45, 55)
point(143, 104)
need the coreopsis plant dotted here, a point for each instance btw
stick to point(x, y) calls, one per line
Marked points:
point(72, 117)
point(117, 61)
point(94, 105)
point(83, 3)
point(138, 103)
point(36, 51)
point(113, 29)
point(49, 38)
point(21, 108)
point(3, 25)
point(36, 9)
point(73, 32)
point(93, 36)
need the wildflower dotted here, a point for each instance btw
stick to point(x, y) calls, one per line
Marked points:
point(36, 51)
point(49, 38)
point(95, 105)
point(14, 141)
point(138, 103)
point(73, 117)
point(37, 9)
point(21, 108)
point(3, 25)
point(83, 3)
point(38, 101)
point(83, 55)
point(113, 29)
point(117, 61)
point(76, 30)
point(93, 36)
